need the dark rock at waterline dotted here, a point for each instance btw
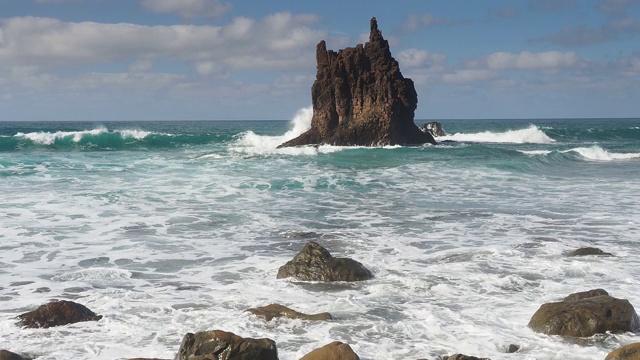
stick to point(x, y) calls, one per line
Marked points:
point(222, 345)
point(462, 357)
point(57, 313)
point(276, 310)
point(8, 355)
point(513, 348)
point(333, 351)
point(628, 352)
point(434, 128)
point(585, 294)
point(315, 263)
point(586, 251)
point(582, 316)
point(360, 97)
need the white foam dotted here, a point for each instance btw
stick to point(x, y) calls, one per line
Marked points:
point(93, 274)
point(597, 153)
point(530, 135)
point(136, 134)
point(536, 152)
point(49, 138)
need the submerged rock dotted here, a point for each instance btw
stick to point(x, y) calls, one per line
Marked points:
point(585, 251)
point(222, 345)
point(434, 128)
point(276, 310)
point(333, 351)
point(361, 98)
point(8, 355)
point(585, 314)
point(315, 263)
point(57, 313)
point(628, 352)
point(462, 357)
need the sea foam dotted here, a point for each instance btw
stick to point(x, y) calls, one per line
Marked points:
point(49, 138)
point(597, 153)
point(530, 135)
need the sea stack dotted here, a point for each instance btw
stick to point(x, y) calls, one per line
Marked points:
point(361, 98)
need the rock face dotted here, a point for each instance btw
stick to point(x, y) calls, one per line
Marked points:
point(628, 352)
point(361, 98)
point(221, 345)
point(8, 355)
point(315, 263)
point(56, 314)
point(333, 351)
point(434, 128)
point(276, 310)
point(585, 314)
point(585, 251)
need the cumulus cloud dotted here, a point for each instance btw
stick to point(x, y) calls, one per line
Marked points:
point(274, 42)
point(188, 8)
point(530, 60)
point(468, 76)
point(414, 58)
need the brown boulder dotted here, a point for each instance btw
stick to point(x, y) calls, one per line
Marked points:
point(222, 345)
point(333, 351)
point(8, 355)
point(462, 357)
point(57, 313)
point(585, 294)
point(361, 98)
point(315, 263)
point(628, 352)
point(276, 310)
point(585, 316)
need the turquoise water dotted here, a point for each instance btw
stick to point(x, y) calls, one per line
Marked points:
point(173, 227)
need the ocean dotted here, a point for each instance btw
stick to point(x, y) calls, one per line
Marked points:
point(166, 228)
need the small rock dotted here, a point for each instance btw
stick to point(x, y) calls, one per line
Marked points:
point(513, 348)
point(8, 355)
point(57, 313)
point(585, 251)
point(276, 310)
point(315, 263)
point(333, 351)
point(628, 352)
point(585, 316)
point(462, 357)
point(434, 128)
point(222, 345)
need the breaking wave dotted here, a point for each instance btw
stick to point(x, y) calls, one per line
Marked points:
point(530, 135)
point(597, 153)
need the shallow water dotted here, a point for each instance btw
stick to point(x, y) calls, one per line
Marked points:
point(169, 228)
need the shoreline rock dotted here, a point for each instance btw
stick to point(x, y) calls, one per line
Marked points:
point(57, 313)
point(315, 263)
point(333, 351)
point(269, 312)
point(627, 352)
point(218, 344)
point(360, 97)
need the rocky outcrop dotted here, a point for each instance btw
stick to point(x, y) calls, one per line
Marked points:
point(57, 313)
point(628, 352)
point(361, 98)
point(434, 128)
point(315, 263)
point(8, 355)
point(333, 351)
point(585, 314)
point(585, 251)
point(222, 345)
point(269, 312)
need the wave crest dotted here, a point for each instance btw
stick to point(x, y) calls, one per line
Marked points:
point(50, 138)
point(530, 135)
point(597, 153)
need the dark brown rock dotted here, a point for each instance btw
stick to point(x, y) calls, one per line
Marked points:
point(276, 310)
point(585, 294)
point(586, 251)
point(582, 316)
point(8, 355)
point(462, 357)
point(361, 98)
point(513, 348)
point(57, 313)
point(333, 351)
point(315, 263)
point(222, 345)
point(628, 352)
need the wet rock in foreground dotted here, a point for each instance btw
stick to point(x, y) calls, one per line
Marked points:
point(315, 263)
point(271, 311)
point(8, 355)
point(585, 314)
point(222, 345)
point(628, 352)
point(333, 351)
point(587, 251)
point(57, 313)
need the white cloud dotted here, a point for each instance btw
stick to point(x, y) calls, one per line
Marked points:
point(141, 66)
point(468, 75)
point(188, 8)
point(530, 61)
point(414, 58)
point(278, 42)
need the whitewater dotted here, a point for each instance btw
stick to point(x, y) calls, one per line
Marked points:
point(166, 228)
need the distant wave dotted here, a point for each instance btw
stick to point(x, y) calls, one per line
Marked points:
point(597, 153)
point(530, 135)
point(49, 138)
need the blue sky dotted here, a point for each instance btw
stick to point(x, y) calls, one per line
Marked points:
point(246, 59)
